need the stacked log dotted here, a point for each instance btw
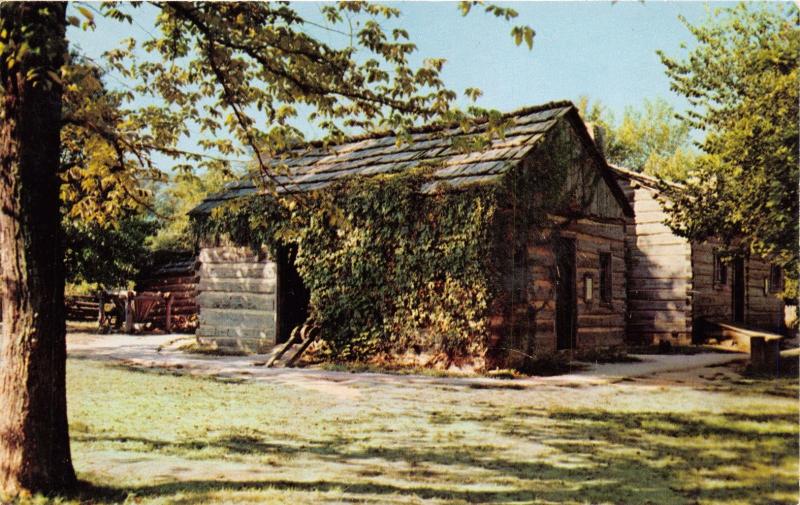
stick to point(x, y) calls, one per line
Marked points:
point(82, 307)
point(176, 274)
point(237, 299)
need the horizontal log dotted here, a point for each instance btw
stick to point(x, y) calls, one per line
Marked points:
point(669, 283)
point(675, 316)
point(237, 285)
point(674, 295)
point(170, 280)
point(682, 306)
point(240, 270)
point(601, 321)
point(226, 318)
point(646, 229)
point(182, 290)
point(675, 250)
point(253, 301)
point(658, 327)
point(667, 237)
point(228, 254)
point(646, 203)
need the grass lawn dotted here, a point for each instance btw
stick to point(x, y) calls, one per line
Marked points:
point(143, 437)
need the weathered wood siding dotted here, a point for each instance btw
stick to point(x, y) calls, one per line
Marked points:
point(671, 281)
point(600, 324)
point(237, 298)
point(713, 301)
point(179, 277)
point(710, 300)
point(762, 310)
point(659, 272)
point(527, 320)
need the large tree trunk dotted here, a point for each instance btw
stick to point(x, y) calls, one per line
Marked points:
point(34, 439)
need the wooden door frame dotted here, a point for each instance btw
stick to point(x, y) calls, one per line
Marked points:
point(573, 251)
point(737, 285)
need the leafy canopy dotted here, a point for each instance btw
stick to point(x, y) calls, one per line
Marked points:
point(742, 83)
point(650, 139)
point(252, 70)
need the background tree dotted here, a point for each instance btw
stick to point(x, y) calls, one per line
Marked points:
point(741, 80)
point(650, 139)
point(106, 197)
point(183, 193)
point(245, 68)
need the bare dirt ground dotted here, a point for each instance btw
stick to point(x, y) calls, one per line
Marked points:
point(162, 351)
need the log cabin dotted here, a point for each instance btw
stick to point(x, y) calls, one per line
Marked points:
point(678, 289)
point(564, 287)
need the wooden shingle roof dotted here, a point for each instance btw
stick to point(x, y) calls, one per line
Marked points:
point(314, 166)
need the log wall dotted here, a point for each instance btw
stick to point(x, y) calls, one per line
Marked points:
point(600, 324)
point(713, 301)
point(671, 281)
point(659, 272)
point(763, 310)
point(237, 298)
point(179, 277)
point(524, 324)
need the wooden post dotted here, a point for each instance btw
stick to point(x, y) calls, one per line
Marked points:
point(101, 310)
point(772, 356)
point(129, 313)
point(757, 353)
point(168, 321)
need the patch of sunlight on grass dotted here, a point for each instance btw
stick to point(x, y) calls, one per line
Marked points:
point(162, 438)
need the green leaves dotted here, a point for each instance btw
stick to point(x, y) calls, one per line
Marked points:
point(741, 81)
point(520, 34)
point(523, 33)
point(650, 139)
point(387, 267)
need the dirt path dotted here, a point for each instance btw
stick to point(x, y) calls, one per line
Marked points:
point(156, 351)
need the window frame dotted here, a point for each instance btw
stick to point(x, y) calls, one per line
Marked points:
point(720, 271)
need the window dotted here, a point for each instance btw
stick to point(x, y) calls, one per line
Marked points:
point(775, 278)
point(720, 270)
point(605, 278)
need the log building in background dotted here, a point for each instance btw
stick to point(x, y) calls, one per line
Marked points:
point(675, 286)
point(176, 273)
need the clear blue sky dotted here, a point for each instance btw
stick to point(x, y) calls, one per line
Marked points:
point(603, 50)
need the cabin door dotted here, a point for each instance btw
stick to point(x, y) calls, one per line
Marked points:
point(566, 300)
point(738, 290)
point(292, 295)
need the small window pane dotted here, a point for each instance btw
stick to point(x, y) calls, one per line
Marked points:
point(720, 270)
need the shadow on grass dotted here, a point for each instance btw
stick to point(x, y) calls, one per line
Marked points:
point(600, 456)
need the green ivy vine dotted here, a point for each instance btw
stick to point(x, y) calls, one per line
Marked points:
point(388, 267)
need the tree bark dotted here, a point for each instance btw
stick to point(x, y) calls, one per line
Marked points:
point(34, 440)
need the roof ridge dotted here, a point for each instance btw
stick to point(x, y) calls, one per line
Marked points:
point(522, 111)
point(650, 180)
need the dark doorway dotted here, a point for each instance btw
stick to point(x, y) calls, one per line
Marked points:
point(566, 301)
point(292, 295)
point(738, 290)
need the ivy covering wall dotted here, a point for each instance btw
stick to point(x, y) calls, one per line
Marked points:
point(391, 268)
point(388, 267)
